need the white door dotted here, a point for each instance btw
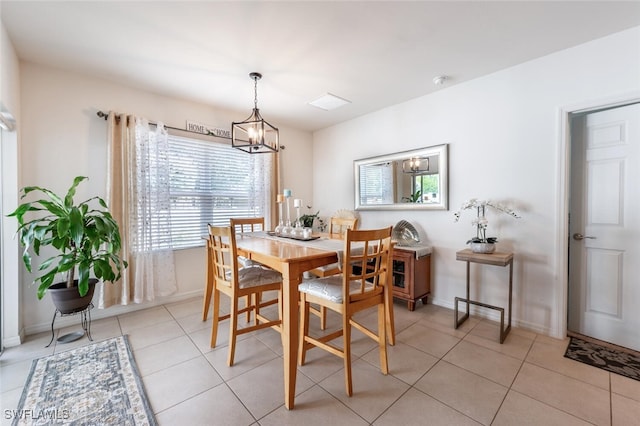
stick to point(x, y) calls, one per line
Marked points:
point(604, 224)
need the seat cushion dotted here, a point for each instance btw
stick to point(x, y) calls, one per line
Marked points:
point(254, 276)
point(329, 288)
point(245, 263)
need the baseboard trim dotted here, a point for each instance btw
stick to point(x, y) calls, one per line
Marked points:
point(492, 315)
point(14, 341)
point(112, 311)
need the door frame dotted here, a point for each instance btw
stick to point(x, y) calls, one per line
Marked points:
point(563, 179)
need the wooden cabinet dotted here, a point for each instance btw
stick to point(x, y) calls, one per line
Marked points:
point(411, 276)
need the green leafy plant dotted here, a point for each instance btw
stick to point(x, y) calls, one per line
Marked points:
point(87, 238)
point(416, 197)
point(307, 220)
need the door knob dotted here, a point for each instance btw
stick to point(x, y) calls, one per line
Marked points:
point(579, 237)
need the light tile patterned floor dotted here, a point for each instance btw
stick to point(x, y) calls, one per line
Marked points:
point(438, 375)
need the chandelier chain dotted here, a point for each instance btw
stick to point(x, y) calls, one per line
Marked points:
point(255, 92)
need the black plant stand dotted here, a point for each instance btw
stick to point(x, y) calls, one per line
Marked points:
point(85, 321)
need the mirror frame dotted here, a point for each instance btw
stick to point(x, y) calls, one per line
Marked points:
point(442, 151)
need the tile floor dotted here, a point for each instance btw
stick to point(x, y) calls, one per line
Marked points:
point(438, 375)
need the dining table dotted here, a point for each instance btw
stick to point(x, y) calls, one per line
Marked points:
point(292, 258)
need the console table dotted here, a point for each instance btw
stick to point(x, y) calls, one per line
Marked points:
point(496, 259)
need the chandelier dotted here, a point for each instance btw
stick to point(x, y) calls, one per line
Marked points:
point(415, 165)
point(254, 135)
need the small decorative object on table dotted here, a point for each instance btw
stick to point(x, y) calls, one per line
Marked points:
point(405, 234)
point(308, 219)
point(287, 229)
point(481, 243)
point(280, 227)
point(297, 226)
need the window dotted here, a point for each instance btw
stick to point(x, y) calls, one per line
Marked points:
point(211, 182)
point(429, 187)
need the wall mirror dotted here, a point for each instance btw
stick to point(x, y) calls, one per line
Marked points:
point(416, 179)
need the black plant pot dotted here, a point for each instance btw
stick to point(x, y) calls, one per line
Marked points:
point(68, 300)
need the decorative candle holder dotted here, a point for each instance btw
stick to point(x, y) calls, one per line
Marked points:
point(287, 227)
point(280, 226)
point(298, 222)
point(297, 203)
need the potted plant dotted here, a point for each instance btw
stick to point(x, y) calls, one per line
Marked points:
point(87, 240)
point(416, 197)
point(308, 219)
point(481, 243)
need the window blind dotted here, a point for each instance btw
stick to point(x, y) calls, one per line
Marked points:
point(376, 184)
point(209, 183)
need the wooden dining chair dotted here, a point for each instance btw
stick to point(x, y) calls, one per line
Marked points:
point(247, 224)
point(250, 224)
point(240, 225)
point(236, 282)
point(363, 283)
point(337, 228)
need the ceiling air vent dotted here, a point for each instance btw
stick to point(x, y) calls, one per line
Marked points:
point(329, 102)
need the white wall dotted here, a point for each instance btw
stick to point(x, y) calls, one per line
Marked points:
point(504, 137)
point(12, 327)
point(63, 138)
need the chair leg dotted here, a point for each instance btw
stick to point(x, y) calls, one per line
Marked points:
point(208, 290)
point(247, 302)
point(390, 321)
point(206, 302)
point(280, 316)
point(257, 299)
point(323, 318)
point(304, 329)
point(233, 327)
point(216, 319)
point(382, 339)
point(346, 338)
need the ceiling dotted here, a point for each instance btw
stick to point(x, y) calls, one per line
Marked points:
point(373, 53)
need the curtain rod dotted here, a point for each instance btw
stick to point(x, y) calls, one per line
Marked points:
point(104, 115)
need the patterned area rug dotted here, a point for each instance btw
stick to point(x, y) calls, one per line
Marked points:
point(96, 384)
point(619, 362)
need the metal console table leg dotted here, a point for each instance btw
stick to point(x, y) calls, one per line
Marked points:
point(497, 259)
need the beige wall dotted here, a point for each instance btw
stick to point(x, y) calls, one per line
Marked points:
point(505, 141)
point(62, 138)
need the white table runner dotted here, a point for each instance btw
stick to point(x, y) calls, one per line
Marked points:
point(337, 246)
point(322, 243)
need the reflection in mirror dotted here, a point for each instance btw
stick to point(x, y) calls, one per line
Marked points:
point(416, 179)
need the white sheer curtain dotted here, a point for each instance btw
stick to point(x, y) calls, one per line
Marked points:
point(138, 198)
point(152, 259)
